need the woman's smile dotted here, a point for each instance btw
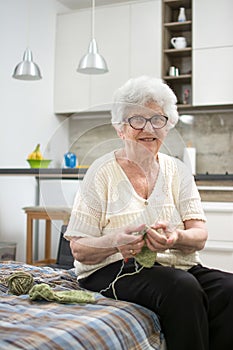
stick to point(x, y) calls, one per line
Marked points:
point(147, 139)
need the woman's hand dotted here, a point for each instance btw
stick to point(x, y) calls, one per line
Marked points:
point(93, 250)
point(130, 244)
point(161, 237)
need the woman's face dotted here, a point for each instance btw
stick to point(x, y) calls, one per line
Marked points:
point(148, 138)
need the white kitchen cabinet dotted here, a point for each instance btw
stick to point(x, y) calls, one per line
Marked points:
point(212, 25)
point(212, 52)
point(72, 38)
point(75, 91)
point(112, 35)
point(218, 252)
point(145, 43)
point(128, 37)
point(213, 76)
point(131, 48)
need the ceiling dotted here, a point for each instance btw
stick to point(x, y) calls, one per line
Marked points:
point(80, 4)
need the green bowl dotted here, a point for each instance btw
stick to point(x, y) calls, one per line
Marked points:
point(37, 163)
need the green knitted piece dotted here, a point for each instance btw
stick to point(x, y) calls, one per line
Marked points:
point(44, 292)
point(146, 257)
point(20, 282)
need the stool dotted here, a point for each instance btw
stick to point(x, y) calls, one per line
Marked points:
point(48, 214)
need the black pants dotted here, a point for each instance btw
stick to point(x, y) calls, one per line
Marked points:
point(195, 307)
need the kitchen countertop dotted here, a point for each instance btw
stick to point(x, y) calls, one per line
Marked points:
point(214, 177)
point(79, 172)
point(212, 187)
point(49, 173)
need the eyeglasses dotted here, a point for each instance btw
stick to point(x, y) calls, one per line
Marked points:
point(138, 122)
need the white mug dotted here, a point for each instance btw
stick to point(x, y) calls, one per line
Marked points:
point(179, 42)
point(172, 71)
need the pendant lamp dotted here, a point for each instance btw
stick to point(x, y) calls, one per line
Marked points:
point(27, 69)
point(92, 62)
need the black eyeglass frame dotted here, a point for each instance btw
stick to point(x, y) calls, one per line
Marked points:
point(148, 120)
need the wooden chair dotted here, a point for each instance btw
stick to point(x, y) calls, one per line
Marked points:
point(48, 214)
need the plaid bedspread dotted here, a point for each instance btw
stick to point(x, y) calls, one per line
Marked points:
point(106, 325)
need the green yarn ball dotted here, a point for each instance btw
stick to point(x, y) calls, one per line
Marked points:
point(20, 282)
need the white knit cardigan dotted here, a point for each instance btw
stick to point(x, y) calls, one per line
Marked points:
point(107, 203)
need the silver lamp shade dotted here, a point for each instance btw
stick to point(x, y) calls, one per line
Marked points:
point(92, 62)
point(27, 69)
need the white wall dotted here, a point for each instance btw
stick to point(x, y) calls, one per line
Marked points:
point(26, 107)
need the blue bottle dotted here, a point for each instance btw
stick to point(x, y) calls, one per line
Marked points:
point(70, 160)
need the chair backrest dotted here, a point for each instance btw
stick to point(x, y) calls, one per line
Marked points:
point(64, 256)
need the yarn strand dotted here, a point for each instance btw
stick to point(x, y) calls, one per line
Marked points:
point(119, 276)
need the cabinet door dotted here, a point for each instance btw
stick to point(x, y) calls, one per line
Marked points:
point(218, 251)
point(112, 36)
point(131, 41)
point(71, 89)
point(128, 37)
point(213, 76)
point(212, 25)
point(145, 39)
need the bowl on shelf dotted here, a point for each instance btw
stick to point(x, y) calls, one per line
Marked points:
point(39, 163)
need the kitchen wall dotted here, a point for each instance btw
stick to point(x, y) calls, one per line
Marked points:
point(211, 134)
point(27, 116)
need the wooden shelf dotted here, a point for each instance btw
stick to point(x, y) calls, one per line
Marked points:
point(183, 78)
point(179, 26)
point(178, 52)
point(182, 106)
point(174, 4)
point(178, 58)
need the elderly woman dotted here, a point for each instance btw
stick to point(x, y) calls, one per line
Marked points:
point(136, 203)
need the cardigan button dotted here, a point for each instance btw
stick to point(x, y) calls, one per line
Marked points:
point(146, 202)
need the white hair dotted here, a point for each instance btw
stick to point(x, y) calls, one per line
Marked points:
point(141, 91)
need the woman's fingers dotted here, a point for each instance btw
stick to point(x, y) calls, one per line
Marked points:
point(135, 229)
point(155, 246)
point(156, 236)
point(160, 225)
point(156, 239)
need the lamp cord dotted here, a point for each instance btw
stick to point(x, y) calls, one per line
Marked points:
point(28, 22)
point(93, 19)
